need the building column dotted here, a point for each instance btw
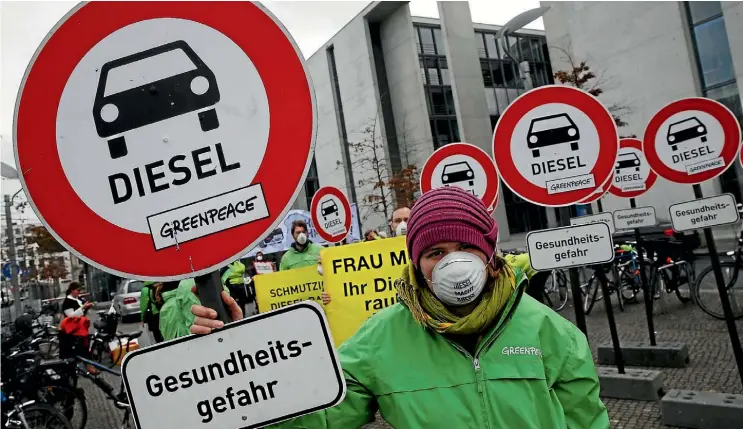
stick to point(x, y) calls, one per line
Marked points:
point(473, 118)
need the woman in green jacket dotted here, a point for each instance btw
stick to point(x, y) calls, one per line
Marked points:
point(464, 347)
point(149, 311)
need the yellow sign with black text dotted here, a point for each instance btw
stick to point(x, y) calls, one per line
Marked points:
point(283, 288)
point(360, 280)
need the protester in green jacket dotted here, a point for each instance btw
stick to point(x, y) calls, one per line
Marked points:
point(150, 312)
point(175, 314)
point(465, 347)
point(303, 252)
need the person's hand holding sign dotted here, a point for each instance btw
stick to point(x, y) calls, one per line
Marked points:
point(205, 320)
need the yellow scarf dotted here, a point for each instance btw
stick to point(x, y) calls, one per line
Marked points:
point(429, 311)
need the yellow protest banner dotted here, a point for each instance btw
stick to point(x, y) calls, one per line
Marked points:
point(284, 288)
point(360, 280)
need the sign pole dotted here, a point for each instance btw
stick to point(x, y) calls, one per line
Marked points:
point(209, 288)
point(618, 356)
point(580, 315)
point(644, 282)
point(721, 289)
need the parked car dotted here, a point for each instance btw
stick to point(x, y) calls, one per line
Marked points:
point(126, 300)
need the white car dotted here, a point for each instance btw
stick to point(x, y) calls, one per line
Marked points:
point(126, 300)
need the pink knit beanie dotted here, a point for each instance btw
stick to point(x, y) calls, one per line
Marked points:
point(450, 214)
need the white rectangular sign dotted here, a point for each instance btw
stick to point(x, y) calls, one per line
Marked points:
point(595, 218)
point(252, 373)
point(570, 246)
point(704, 212)
point(207, 216)
point(570, 184)
point(635, 218)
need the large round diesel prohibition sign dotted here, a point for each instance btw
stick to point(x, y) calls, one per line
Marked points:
point(692, 140)
point(148, 135)
point(555, 145)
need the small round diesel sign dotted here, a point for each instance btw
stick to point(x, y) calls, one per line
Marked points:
point(555, 145)
point(158, 128)
point(692, 140)
point(465, 166)
point(632, 173)
point(331, 214)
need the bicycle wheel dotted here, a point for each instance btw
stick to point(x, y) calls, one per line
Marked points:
point(71, 402)
point(97, 350)
point(43, 416)
point(684, 283)
point(705, 292)
point(590, 294)
point(556, 291)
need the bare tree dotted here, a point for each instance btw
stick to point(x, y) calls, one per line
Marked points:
point(387, 188)
point(580, 75)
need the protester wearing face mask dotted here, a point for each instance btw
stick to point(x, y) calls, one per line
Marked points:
point(303, 252)
point(399, 221)
point(465, 347)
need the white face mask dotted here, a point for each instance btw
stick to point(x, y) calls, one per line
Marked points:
point(402, 228)
point(302, 238)
point(458, 278)
point(259, 257)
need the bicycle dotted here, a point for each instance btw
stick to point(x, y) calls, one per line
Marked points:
point(671, 267)
point(108, 338)
point(50, 382)
point(119, 399)
point(30, 415)
point(592, 292)
point(730, 271)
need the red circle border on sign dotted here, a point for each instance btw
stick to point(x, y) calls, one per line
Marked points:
point(479, 155)
point(652, 176)
point(595, 197)
point(131, 254)
point(330, 190)
point(586, 103)
point(730, 126)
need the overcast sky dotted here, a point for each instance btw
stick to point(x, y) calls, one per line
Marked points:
point(23, 25)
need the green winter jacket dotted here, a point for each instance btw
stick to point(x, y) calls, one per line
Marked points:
point(295, 259)
point(533, 370)
point(147, 299)
point(175, 315)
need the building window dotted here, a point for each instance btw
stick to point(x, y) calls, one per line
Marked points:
point(312, 183)
point(715, 65)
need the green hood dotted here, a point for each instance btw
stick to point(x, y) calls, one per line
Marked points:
point(175, 315)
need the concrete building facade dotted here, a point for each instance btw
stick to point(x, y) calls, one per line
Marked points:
point(391, 88)
point(649, 54)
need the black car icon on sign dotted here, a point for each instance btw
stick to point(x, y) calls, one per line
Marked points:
point(152, 86)
point(328, 207)
point(627, 160)
point(681, 131)
point(552, 130)
point(458, 172)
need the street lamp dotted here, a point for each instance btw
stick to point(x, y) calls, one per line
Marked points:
point(515, 24)
point(9, 172)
